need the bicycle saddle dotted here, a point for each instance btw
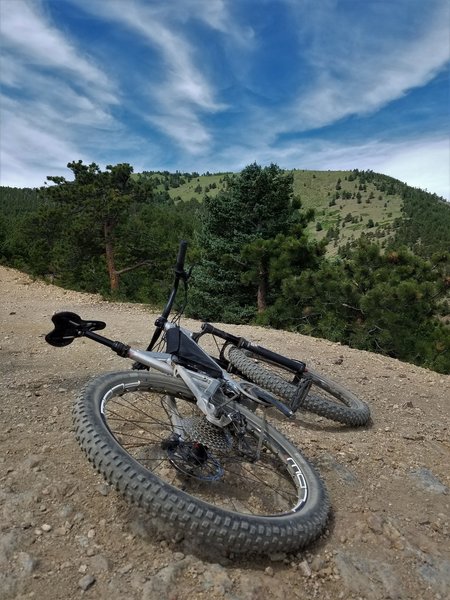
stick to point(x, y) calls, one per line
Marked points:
point(68, 326)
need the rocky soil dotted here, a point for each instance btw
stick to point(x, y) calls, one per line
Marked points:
point(64, 533)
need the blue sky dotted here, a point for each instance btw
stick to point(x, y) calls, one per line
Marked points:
point(213, 85)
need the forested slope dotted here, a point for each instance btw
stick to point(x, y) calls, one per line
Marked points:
point(356, 257)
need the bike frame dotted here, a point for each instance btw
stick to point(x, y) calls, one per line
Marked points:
point(209, 379)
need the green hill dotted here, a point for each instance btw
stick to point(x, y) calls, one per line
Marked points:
point(347, 204)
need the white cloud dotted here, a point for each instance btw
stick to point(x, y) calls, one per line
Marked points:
point(34, 40)
point(62, 103)
point(31, 148)
point(420, 162)
point(423, 163)
point(179, 94)
point(362, 71)
point(56, 101)
point(216, 14)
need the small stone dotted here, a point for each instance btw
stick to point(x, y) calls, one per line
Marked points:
point(102, 489)
point(46, 527)
point(32, 461)
point(27, 562)
point(375, 523)
point(277, 556)
point(269, 571)
point(391, 532)
point(66, 510)
point(86, 582)
point(100, 564)
point(415, 437)
point(318, 563)
point(427, 480)
point(305, 569)
point(326, 572)
point(126, 568)
point(216, 578)
point(178, 556)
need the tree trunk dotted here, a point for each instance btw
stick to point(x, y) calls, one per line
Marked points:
point(109, 250)
point(261, 294)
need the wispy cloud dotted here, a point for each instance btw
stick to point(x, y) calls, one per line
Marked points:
point(356, 71)
point(214, 13)
point(31, 147)
point(55, 100)
point(180, 92)
point(213, 85)
point(26, 31)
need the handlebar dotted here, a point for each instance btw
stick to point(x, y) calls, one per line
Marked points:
point(295, 366)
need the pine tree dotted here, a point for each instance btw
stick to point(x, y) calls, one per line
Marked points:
point(97, 201)
point(244, 227)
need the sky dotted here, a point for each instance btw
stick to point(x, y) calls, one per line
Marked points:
point(214, 85)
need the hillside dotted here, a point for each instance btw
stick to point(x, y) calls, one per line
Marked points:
point(64, 530)
point(347, 204)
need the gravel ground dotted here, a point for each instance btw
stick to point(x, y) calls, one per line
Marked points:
point(64, 533)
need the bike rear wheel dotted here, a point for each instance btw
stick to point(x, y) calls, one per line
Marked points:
point(325, 397)
point(242, 488)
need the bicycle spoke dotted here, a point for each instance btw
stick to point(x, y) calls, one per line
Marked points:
point(240, 478)
point(265, 484)
point(139, 425)
point(134, 407)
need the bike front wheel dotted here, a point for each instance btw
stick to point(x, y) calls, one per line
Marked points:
point(325, 397)
point(243, 487)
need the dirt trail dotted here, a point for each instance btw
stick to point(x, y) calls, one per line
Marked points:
point(64, 533)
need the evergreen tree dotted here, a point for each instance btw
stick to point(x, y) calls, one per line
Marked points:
point(382, 302)
point(96, 202)
point(244, 227)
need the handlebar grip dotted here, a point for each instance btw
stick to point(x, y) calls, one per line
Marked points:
point(181, 256)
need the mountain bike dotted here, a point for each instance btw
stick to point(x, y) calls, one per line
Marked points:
point(185, 435)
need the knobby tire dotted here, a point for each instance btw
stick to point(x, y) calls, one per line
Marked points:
point(325, 398)
point(116, 417)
